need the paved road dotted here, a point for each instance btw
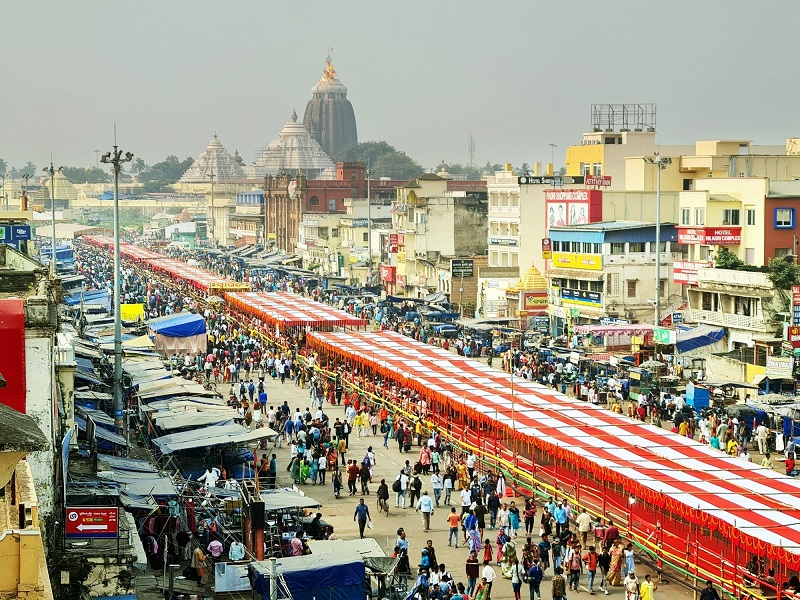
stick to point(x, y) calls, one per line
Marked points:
point(339, 512)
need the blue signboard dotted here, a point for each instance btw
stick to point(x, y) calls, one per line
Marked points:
point(583, 297)
point(677, 317)
point(20, 232)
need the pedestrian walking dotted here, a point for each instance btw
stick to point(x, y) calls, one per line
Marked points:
point(362, 516)
point(425, 506)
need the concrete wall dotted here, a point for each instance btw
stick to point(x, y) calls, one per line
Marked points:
point(39, 375)
point(720, 368)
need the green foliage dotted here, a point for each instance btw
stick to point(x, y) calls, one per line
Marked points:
point(397, 165)
point(160, 175)
point(725, 259)
point(138, 166)
point(3, 167)
point(366, 152)
point(783, 273)
point(86, 175)
point(472, 173)
point(28, 169)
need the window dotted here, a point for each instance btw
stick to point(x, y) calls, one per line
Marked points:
point(750, 256)
point(662, 247)
point(730, 216)
point(597, 169)
point(314, 201)
point(699, 216)
point(332, 204)
point(782, 252)
point(586, 169)
point(687, 184)
point(595, 286)
point(597, 248)
point(556, 246)
point(617, 247)
point(784, 217)
point(322, 233)
point(587, 248)
point(583, 285)
point(632, 288)
point(364, 236)
point(662, 286)
point(576, 247)
point(636, 247)
point(751, 216)
point(612, 284)
point(334, 232)
point(686, 216)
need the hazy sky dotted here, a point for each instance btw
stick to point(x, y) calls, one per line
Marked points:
point(422, 75)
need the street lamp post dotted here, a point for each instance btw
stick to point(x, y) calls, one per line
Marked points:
point(5, 199)
point(213, 239)
point(369, 226)
point(116, 159)
point(52, 171)
point(553, 156)
point(23, 204)
point(661, 163)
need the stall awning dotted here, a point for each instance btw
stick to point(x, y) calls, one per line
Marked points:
point(697, 337)
point(213, 435)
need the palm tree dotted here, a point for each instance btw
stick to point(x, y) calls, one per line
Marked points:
point(3, 167)
point(138, 166)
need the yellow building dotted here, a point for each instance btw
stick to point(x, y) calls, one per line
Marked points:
point(23, 573)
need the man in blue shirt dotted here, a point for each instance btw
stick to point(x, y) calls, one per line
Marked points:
point(535, 575)
point(561, 518)
point(425, 506)
point(362, 516)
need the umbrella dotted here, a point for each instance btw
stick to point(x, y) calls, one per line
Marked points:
point(652, 364)
point(215, 300)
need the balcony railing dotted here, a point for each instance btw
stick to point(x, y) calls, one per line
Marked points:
point(726, 319)
point(731, 277)
point(65, 356)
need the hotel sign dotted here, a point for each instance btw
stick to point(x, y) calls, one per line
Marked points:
point(718, 236)
point(685, 272)
point(598, 180)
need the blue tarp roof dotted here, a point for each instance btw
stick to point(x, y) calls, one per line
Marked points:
point(179, 325)
point(102, 434)
point(337, 576)
point(93, 297)
point(697, 337)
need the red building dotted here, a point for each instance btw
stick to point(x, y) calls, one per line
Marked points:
point(780, 226)
point(328, 196)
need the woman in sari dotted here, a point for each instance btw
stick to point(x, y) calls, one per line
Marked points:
point(304, 470)
point(615, 570)
point(463, 481)
point(508, 558)
point(501, 486)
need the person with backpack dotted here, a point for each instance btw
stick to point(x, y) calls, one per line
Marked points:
point(534, 578)
point(574, 562)
point(559, 585)
point(416, 488)
point(251, 390)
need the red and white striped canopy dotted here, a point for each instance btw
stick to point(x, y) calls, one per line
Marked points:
point(756, 506)
point(286, 309)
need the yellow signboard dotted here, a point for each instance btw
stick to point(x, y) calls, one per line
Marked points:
point(588, 262)
point(131, 312)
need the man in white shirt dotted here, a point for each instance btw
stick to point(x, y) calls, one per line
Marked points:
point(471, 460)
point(489, 575)
point(761, 435)
point(466, 501)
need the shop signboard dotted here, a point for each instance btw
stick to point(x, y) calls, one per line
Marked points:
point(663, 336)
point(598, 180)
point(582, 297)
point(796, 304)
point(793, 336)
point(587, 262)
point(779, 367)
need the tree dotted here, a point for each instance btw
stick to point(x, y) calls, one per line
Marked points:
point(3, 167)
point(397, 165)
point(160, 175)
point(86, 175)
point(472, 173)
point(138, 166)
point(366, 152)
point(725, 259)
point(783, 273)
point(28, 169)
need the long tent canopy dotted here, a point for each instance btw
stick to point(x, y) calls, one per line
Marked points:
point(753, 505)
point(213, 435)
point(285, 309)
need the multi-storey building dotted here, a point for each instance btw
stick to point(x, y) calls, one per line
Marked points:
point(608, 269)
point(434, 217)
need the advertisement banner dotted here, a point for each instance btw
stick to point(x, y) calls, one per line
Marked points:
point(598, 180)
point(793, 336)
point(664, 336)
point(534, 301)
point(92, 522)
point(582, 297)
point(401, 280)
point(796, 304)
point(387, 273)
point(587, 262)
point(686, 272)
point(547, 249)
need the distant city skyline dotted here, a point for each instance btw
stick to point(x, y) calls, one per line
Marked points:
point(422, 77)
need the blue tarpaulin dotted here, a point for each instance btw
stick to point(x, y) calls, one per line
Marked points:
point(179, 325)
point(697, 337)
point(337, 576)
